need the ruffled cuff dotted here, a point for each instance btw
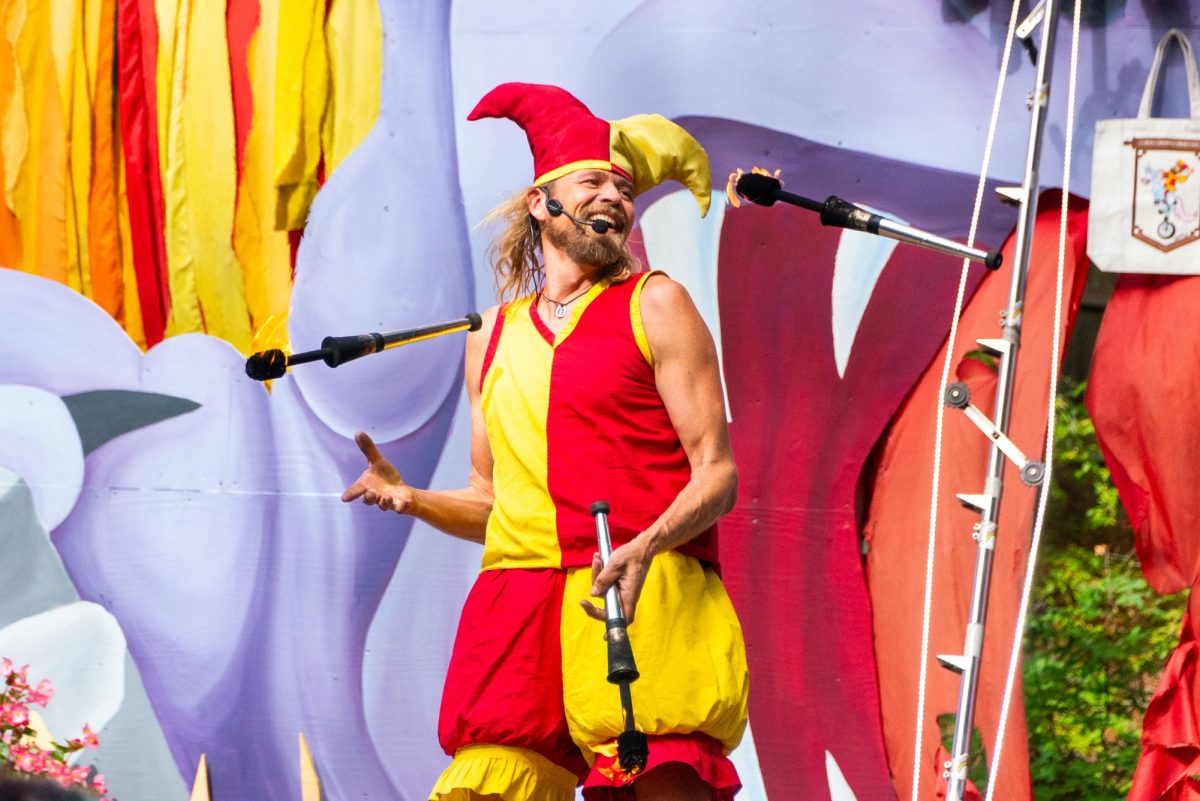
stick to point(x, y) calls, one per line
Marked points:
point(703, 753)
point(513, 774)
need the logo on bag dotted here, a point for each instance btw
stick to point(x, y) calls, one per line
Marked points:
point(1166, 192)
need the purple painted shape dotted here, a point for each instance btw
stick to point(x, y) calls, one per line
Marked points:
point(244, 585)
point(386, 245)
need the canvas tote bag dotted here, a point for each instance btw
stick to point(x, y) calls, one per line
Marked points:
point(1145, 208)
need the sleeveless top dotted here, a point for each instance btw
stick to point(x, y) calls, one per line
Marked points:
point(575, 418)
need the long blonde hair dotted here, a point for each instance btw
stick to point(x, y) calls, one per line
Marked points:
point(515, 253)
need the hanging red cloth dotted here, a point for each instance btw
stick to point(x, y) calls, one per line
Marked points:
point(137, 39)
point(1144, 387)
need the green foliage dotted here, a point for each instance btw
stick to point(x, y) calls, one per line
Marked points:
point(1084, 507)
point(977, 764)
point(1096, 643)
point(1098, 636)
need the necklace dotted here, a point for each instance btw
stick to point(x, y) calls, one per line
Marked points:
point(561, 310)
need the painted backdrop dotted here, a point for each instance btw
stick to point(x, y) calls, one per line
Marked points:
point(186, 182)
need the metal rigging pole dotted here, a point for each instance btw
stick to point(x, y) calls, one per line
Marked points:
point(1005, 349)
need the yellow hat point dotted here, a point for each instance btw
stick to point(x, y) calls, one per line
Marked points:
point(656, 150)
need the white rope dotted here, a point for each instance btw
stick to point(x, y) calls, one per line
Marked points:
point(937, 448)
point(1026, 590)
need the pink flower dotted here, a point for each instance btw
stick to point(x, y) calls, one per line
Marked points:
point(14, 715)
point(22, 759)
point(23, 755)
point(42, 694)
point(54, 770)
point(18, 679)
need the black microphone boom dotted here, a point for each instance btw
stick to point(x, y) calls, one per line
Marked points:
point(334, 351)
point(555, 208)
point(766, 190)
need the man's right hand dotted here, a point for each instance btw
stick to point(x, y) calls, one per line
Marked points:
point(380, 484)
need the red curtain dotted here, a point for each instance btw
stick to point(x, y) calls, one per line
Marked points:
point(1143, 392)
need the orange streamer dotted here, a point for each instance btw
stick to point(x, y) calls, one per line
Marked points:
point(108, 283)
point(40, 194)
point(10, 228)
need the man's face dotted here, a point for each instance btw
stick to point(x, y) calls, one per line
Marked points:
point(592, 195)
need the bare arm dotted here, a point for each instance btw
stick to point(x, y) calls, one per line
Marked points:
point(460, 512)
point(689, 381)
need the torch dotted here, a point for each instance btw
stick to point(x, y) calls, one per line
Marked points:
point(334, 351)
point(632, 748)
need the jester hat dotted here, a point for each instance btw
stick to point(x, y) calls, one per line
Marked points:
point(565, 136)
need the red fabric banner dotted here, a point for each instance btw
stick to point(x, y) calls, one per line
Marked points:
point(137, 49)
point(1145, 382)
point(898, 521)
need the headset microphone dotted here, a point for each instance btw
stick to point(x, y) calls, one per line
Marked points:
point(555, 208)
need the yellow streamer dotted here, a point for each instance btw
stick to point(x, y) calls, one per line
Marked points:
point(199, 183)
point(228, 257)
point(264, 252)
point(354, 35)
point(39, 190)
point(14, 139)
point(184, 315)
point(211, 169)
point(63, 14)
point(71, 68)
point(102, 234)
point(300, 97)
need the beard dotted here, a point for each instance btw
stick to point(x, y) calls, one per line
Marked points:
point(584, 246)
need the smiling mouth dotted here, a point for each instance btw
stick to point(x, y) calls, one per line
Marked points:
point(615, 223)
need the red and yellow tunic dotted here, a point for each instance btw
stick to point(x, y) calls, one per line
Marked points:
point(574, 418)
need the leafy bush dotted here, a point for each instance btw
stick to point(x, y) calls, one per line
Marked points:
point(1097, 640)
point(1084, 506)
point(1098, 636)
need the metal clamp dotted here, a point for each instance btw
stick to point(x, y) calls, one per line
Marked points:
point(958, 396)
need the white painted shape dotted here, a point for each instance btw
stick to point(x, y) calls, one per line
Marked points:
point(40, 443)
point(857, 266)
point(685, 246)
point(745, 759)
point(839, 788)
point(80, 648)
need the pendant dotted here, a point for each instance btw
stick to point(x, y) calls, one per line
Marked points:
point(561, 311)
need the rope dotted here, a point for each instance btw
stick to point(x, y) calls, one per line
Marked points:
point(1044, 493)
point(937, 448)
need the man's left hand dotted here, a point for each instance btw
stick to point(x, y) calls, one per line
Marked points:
point(627, 568)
